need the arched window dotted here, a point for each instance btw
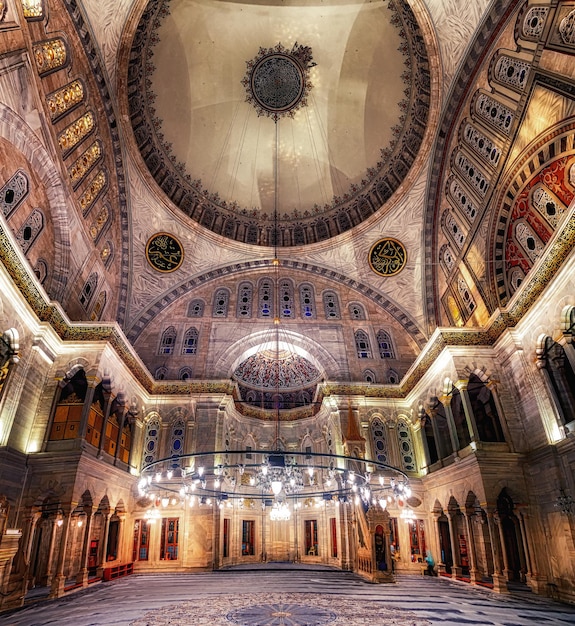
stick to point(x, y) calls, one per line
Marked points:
point(221, 302)
point(151, 442)
point(100, 223)
point(245, 295)
point(177, 439)
point(307, 299)
point(466, 296)
point(385, 345)
point(405, 446)
point(391, 377)
point(485, 410)
point(452, 229)
point(168, 341)
point(512, 72)
point(266, 298)
point(196, 308)
point(369, 376)
point(378, 435)
point(331, 306)
point(515, 277)
point(528, 240)
point(99, 306)
point(190, 341)
point(13, 192)
point(362, 345)
point(493, 113)
point(185, 373)
point(89, 289)
point(30, 230)
point(107, 253)
point(356, 311)
point(41, 270)
point(286, 298)
point(161, 373)
point(446, 259)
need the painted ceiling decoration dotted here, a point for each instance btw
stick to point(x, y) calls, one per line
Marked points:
point(164, 252)
point(212, 153)
point(277, 81)
point(387, 257)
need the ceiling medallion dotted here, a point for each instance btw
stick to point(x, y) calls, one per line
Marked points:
point(387, 257)
point(277, 81)
point(164, 252)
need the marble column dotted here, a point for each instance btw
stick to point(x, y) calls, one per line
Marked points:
point(456, 569)
point(473, 573)
point(82, 576)
point(499, 581)
point(468, 409)
point(59, 580)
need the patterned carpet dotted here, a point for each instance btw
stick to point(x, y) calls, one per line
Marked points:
point(279, 609)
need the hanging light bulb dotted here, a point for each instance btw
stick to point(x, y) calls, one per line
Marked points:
point(165, 502)
point(276, 487)
point(170, 474)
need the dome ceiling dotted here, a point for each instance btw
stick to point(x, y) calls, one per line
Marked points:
point(214, 150)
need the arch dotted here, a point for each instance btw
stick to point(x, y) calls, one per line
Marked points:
point(190, 345)
point(286, 297)
point(168, 341)
point(185, 373)
point(221, 303)
point(356, 311)
point(196, 308)
point(161, 373)
point(30, 230)
point(379, 439)
point(484, 410)
point(177, 439)
point(89, 289)
point(307, 301)
point(405, 442)
point(245, 298)
point(385, 345)
point(13, 192)
point(265, 298)
point(362, 345)
point(369, 376)
point(331, 305)
point(151, 450)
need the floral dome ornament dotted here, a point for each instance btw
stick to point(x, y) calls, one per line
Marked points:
point(277, 81)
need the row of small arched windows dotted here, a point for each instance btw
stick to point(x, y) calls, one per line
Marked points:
point(264, 307)
point(168, 343)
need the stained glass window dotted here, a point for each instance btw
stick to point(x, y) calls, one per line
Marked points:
point(168, 341)
point(385, 345)
point(362, 345)
point(265, 298)
point(30, 230)
point(245, 294)
point(221, 302)
point(307, 299)
point(190, 341)
point(331, 305)
point(378, 434)
point(196, 308)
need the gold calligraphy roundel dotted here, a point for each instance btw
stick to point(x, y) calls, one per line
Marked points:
point(164, 252)
point(387, 257)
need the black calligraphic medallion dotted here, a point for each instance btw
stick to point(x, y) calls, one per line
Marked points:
point(387, 257)
point(164, 252)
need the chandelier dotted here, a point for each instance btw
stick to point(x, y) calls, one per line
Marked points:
point(283, 481)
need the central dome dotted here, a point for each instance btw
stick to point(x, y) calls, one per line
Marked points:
point(355, 115)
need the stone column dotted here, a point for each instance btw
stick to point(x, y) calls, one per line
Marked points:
point(506, 570)
point(107, 408)
point(419, 432)
point(468, 409)
point(456, 570)
point(473, 573)
point(88, 401)
point(446, 401)
point(104, 548)
point(59, 580)
point(82, 576)
point(440, 563)
point(122, 416)
point(499, 582)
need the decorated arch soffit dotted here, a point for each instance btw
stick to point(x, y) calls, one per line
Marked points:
point(457, 106)
point(209, 129)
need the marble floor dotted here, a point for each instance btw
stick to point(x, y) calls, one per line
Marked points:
point(136, 599)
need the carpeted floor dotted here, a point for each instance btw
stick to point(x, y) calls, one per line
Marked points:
point(275, 609)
